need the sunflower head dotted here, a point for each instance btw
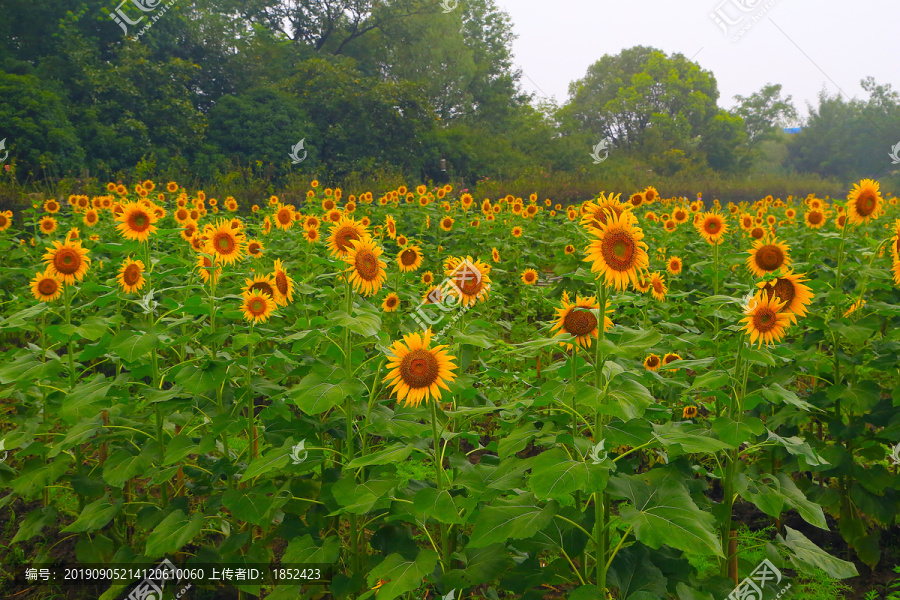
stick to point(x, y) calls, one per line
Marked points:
point(343, 234)
point(46, 286)
point(712, 227)
point(764, 319)
point(131, 275)
point(579, 320)
point(391, 302)
point(225, 242)
point(366, 269)
point(652, 362)
point(864, 202)
point(67, 260)
point(767, 256)
point(417, 371)
point(136, 221)
point(283, 283)
point(409, 259)
point(618, 254)
point(529, 277)
point(257, 306)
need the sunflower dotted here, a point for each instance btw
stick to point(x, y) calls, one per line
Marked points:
point(618, 253)
point(5, 220)
point(447, 223)
point(469, 280)
point(206, 269)
point(642, 284)
point(578, 319)
point(254, 248)
point(495, 255)
point(333, 216)
point(712, 227)
point(570, 249)
point(224, 242)
point(284, 217)
point(689, 412)
point(311, 235)
point(529, 277)
point(67, 260)
point(814, 219)
point(427, 277)
point(391, 227)
point(517, 232)
point(765, 320)
point(367, 271)
point(188, 231)
point(391, 302)
point(670, 225)
point(864, 202)
point(746, 221)
point(418, 371)
point(409, 259)
point(674, 265)
point(46, 286)
point(636, 199)
point(767, 256)
point(669, 358)
point(257, 306)
point(342, 234)
point(402, 241)
point(789, 289)
point(596, 213)
point(131, 275)
point(650, 194)
point(757, 233)
point(51, 206)
point(679, 215)
point(854, 307)
point(658, 287)
point(136, 222)
point(652, 363)
point(47, 224)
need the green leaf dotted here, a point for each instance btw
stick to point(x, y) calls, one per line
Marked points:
point(733, 433)
point(553, 475)
point(95, 515)
point(482, 565)
point(366, 324)
point(316, 394)
point(359, 498)
point(763, 490)
point(776, 393)
point(629, 343)
point(172, 533)
point(37, 474)
point(662, 512)
point(34, 522)
point(248, 505)
point(516, 440)
point(276, 458)
point(199, 380)
point(396, 453)
point(401, 575)
point(711, 380)
point(810, 511)
point(437, 505)
point(636, 576)
point(690, 437)
point(859, 397)
point(122, 466)
point(798, 447)
point(305, 550)
point(807, 557)
point(515, 518)
point(132, 346)
point(587, 592)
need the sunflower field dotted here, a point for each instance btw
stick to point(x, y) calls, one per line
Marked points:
point(427, 395)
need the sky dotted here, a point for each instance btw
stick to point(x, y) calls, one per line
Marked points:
point(805, 45)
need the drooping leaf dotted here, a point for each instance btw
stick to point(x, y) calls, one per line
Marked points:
point(807, 557)
point(515, 518)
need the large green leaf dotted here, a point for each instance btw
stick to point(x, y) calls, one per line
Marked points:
point(122, 466)
point(807, 557)
point(396, 453)
point(636, 576)
point(763, 490)
point(252, 504)
point(172, 533)
point(554, 475)
point(796, 446)
point(316, 394)
point(480, 565)
point(810, 511)
point(359, 498)
point(438, 505)
point(662, 512)
point(85, 398)
point(401, 575)
point(305, 550)
point(95, 515)
point(34, 522)
point(276, 458)
point(690, 437)
point(515, 518)
point(366, 324)
point(132, 346)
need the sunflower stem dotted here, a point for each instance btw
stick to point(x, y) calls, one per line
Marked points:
point(354, 535)
point(601, 500)
point(439, 474)
point(251, 417)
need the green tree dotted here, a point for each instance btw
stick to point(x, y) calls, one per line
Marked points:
point(764, 112)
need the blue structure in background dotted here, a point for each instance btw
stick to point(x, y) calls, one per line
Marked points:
point(792, 130)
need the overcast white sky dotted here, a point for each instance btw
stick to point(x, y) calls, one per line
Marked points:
point(847, 39)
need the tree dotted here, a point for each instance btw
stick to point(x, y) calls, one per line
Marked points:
point(764, 112)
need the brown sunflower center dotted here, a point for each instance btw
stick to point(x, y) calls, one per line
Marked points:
point(757, 233)
point(253, 248)
point(408, 257)
point(765, 320)
point(618, 248)
point(469, 281)
point(366, 265)
point(815, 217)
point(446, 223)
point(139, 221)
point(529, 276)
point(48, 224)
point(257, 305)
point(769, 257)
point(866, 203)
point(262, 286)
point(392, 301)
point(653, 361)
point(419, 368)
point(580, 321)
point(48, 286)
point(657, 286)
point(67, 261)
point(712, 226)
point(343, 237)
point(283, 216)
point(132, 274)
point(224, 243)
point(783, 290)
